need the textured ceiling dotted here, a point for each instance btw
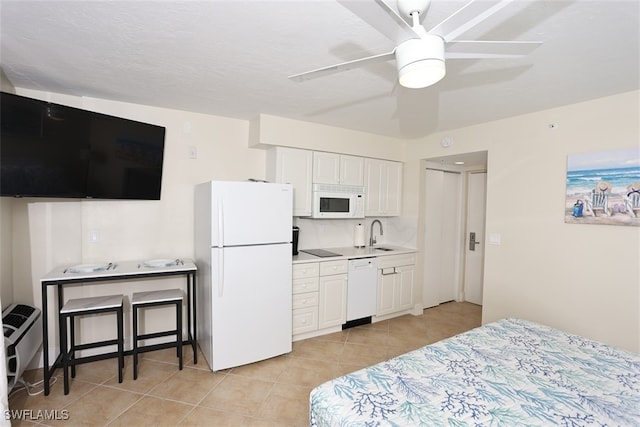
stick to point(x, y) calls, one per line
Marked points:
point(232, 58)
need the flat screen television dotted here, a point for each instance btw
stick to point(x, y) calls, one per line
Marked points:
point(51, 150)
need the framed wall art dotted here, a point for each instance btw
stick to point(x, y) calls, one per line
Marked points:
point(603, 188)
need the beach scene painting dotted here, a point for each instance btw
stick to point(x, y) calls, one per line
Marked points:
point(604, 188)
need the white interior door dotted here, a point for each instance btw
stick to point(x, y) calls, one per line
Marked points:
point(474, 255)
point(443, 231)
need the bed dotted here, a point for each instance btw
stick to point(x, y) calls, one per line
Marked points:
point(511, 372)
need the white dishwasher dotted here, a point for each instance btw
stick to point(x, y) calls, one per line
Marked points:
point(362, 288)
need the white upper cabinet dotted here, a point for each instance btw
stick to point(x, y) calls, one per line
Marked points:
point(292, 166)
point(332, 168)
point(326, 168)
point(382, 179)
point(351, 170)
point(383, 187)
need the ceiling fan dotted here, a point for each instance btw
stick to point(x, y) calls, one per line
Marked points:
point(420, 54)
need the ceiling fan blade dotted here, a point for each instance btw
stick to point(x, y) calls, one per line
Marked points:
point(383, 18)
point(467, 17)
point(343, 66)
point(474, 49)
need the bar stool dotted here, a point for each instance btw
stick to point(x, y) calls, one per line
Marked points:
point(82, 307)
point(141, 300)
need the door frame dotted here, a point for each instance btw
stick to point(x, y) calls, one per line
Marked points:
point(483, 237)
point(446, 163)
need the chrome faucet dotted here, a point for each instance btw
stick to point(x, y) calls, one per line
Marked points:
point(372, 240)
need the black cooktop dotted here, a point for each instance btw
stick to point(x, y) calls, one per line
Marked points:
point(320, 253)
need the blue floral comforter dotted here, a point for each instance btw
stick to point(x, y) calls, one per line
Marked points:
point(508, 373)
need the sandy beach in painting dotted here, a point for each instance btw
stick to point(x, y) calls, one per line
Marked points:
point(616, 205)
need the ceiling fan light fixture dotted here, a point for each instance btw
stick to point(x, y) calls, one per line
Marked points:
point(422, 73)
point(420, 62)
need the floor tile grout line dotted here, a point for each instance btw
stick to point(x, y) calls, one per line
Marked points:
point(125, 410)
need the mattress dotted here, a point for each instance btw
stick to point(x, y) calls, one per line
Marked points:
point(512, 373)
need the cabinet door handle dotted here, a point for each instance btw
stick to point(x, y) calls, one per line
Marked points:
point(388, 271)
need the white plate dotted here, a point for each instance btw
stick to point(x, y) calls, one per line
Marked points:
point(87, 268)
point(159, 262)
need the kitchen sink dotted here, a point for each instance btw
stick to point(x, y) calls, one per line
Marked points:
point(380, 248)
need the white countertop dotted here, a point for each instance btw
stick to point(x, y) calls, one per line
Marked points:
point(350, 252)
point(123, 268)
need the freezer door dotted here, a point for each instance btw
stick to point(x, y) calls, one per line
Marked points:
point(250, 213)
point(251, 310)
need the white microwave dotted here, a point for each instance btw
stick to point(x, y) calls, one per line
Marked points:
point(337, 201)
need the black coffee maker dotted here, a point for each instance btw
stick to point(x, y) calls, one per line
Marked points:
point(294, 245)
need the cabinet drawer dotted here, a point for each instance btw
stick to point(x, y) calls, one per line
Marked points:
point(396, 260)
point(310, 299)
point(328, 268)
point(305, 270)
point(307, 284)
point(305, 320)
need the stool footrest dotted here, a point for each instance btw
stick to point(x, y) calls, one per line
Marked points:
point(94, 358)
point(94, 345)
point(157, 335)
point(153, 347)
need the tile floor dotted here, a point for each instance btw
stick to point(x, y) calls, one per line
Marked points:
point(270, 393)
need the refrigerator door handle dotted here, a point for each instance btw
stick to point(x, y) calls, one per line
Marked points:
point(220, 273)
point(220, 223)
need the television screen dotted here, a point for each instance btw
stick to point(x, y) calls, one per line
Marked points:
point(51, 150)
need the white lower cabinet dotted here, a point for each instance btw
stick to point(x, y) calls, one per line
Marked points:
point(333, 294)
point(319, 295)
point(333, 301)
point(305, 297)
point(395, 284)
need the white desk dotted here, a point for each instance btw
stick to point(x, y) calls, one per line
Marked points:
point(126, 270)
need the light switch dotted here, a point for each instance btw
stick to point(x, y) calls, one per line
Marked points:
point(193, 152)
point(94, 236)
point(495, 238)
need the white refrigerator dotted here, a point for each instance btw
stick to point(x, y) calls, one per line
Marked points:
point(243, 233)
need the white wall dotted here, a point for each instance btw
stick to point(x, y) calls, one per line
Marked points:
point(269, 130)
point(6, 219)
point(544, 270)
point(581, 278)
point(48, 233)
point(6, 268)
